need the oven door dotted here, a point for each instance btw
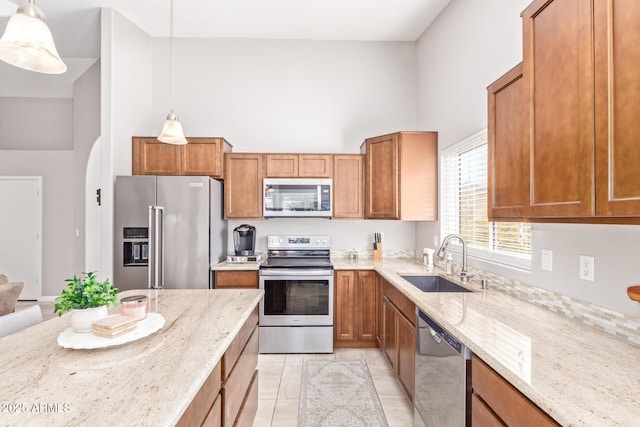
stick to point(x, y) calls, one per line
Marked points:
point(296, 297)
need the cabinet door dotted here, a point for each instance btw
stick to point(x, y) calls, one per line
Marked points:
point(348, 186)
point(506, 140)
point(617, 55)
point(281, 165)
point(152, 157)
point(236, 280)
point(344, 296)
point(406, 347)
point(382, 178)
point(204, 157)
point(243, 186)
point(379, 316)
point(366, 306)
point(389, 331)
point(315, 165)
point(558, 81)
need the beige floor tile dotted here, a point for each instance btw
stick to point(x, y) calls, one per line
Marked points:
point(268, 384)
point(297, 359)
point(387, 385)
point(290, 382)
point(285, 413)
point(264, 415)
point(398, 411)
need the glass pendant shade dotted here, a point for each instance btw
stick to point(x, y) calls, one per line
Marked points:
point(172, 131)
point(27, 42)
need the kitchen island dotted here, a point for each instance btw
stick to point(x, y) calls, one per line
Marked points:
point(152, 381)
point(576, 374)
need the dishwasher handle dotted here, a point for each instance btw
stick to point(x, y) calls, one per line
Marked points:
point(438, 333)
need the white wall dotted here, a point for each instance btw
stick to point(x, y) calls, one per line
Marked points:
point(86, 130)
point(35, 123)
point(468, 47)
point(345, 234)
point(126, 110)
point(287, 95)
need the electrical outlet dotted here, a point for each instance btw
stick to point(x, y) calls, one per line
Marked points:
point(546, 261)
point(436, 241)
point(587, 266)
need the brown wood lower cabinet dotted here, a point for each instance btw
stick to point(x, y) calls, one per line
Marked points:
point(495, 402)
point(399, 335)
point(236, 279)
point(355, 309)
point(229, 396)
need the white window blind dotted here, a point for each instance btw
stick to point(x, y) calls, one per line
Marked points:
point(464, 207)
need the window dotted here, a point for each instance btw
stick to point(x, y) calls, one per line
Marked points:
point(464, 207)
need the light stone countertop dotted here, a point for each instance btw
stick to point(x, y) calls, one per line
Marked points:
point(233, 266)
point(578, 375)
point(149, 382)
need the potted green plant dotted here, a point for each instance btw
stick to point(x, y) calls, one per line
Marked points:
point(87, 299)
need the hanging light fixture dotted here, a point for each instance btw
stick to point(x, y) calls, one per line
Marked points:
point(172, 130)
point(27, 42)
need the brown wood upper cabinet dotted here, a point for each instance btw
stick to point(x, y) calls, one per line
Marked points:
point(200, 157)
point(242, 185)
point(505, 133)
point(580, 151)
point(298, 165)
point(348, 186)
point(558, 82)
point(401, 176)
point(617, 108)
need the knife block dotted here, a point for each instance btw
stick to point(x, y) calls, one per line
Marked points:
point(377, 253)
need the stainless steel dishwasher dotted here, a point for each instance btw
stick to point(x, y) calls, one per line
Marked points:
point(442, 367)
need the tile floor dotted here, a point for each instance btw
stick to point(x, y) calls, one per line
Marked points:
point(279, 381)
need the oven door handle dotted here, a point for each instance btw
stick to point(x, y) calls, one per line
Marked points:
point(302, 272)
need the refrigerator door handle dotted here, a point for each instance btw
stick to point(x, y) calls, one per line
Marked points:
point(159, 242)
point(152, 249)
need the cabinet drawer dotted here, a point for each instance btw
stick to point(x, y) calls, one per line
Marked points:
point(504, 399)
point(482, 415)
point(233, 352)
point(315, 166)
point(236, 279)
point(214, 417)
point(200, 405)
point(401, 302)
point(250, 405)
point(236, 386)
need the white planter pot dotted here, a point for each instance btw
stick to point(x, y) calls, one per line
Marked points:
point(82, 319)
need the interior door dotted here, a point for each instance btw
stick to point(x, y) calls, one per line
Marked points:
point(21, 233)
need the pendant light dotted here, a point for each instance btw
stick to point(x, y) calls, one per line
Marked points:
point(172, 130)
point(27, 42)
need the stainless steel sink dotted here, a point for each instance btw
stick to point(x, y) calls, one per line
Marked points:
point(434, 284)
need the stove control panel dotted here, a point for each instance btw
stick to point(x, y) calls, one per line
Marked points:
point(298, 242)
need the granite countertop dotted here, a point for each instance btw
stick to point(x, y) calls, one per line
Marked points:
point(578, 375)
point(232, 266)
point(148, 382)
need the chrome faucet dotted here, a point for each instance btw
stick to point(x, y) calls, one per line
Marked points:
point(464, 274)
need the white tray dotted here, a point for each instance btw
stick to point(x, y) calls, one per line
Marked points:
point(71, 339)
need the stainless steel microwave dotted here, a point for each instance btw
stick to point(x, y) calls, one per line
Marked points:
point(297, 197)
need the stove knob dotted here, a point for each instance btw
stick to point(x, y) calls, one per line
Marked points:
point(281, 240)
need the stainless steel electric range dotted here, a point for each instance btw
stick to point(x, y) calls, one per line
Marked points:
point(296, 313)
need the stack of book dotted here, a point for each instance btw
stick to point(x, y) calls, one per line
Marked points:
point(114, 326)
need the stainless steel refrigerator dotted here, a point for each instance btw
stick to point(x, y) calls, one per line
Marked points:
point(169, 230)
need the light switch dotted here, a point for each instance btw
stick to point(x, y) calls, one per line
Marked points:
point(547, 260)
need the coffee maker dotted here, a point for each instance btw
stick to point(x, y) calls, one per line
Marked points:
point(244, 240)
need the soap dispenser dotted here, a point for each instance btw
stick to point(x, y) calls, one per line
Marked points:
point(448, 266)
